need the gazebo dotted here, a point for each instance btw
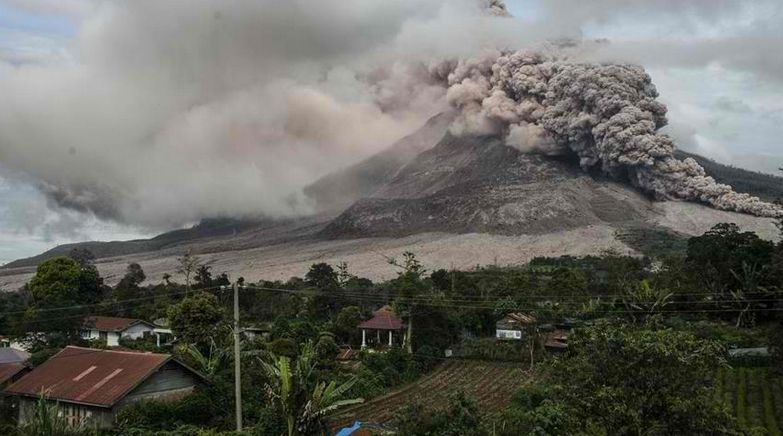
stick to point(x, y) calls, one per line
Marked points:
point(383, 320)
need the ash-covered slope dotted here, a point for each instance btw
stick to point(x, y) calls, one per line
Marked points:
point(339, 190)
point(478, 184)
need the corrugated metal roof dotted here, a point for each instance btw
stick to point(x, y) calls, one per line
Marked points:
point(12, 355)
point(518, 319)
point(383, 319)
point(89, 376)
point(110, 323)
point(8, 370)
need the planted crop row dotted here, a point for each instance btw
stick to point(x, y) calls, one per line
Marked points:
point(490, 384)
point(755, 395)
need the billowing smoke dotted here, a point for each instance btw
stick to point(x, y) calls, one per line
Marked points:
point(168, 112)
point(607, 115)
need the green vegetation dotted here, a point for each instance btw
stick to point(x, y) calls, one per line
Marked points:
point(645, 334)
point(754, 395)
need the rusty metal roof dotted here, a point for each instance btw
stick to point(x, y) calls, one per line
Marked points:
point(9, 370)
point(518, 319)
point(89, 376)
point(110, 323)
point(383, 319)
point(12, 355)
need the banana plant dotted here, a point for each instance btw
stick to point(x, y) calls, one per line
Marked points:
point(210, 363)
point(304, 400)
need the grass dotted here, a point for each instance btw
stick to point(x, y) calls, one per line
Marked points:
point(755, 395)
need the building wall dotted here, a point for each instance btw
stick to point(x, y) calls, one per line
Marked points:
point(508, 334)
point(113, 338)
point(171, 382)
point(137, 331)
point(74, 413)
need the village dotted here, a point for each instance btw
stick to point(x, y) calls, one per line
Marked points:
point(334, 353)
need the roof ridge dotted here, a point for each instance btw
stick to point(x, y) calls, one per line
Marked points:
point(146, 353)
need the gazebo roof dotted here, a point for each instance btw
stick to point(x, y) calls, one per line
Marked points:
point(383, 319)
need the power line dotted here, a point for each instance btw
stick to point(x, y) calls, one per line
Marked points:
point(572, 300)
point(107, 302)
point(377, 299)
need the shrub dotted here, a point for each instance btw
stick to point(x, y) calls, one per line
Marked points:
point(283, 347)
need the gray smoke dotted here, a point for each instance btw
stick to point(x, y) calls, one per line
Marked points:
point(607, 115)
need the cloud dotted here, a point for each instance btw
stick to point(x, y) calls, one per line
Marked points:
point(162, 113)
point(173, 111)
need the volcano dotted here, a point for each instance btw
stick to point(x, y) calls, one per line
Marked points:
point(455, 201)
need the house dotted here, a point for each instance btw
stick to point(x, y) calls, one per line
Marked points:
point(384, 323)
point(262, 331)
point(91, 385)
point(348, 358)
point(22, 343)
point(513, 325)
point(13, 365)
point(110, 329)
point(556, 341)
point(164, 336)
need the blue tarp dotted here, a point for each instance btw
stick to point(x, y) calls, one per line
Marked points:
point(347, 431)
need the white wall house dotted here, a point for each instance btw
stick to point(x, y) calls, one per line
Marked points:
point(513, 325)
point(110, 329)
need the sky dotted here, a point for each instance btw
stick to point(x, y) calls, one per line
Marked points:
point(716, 64)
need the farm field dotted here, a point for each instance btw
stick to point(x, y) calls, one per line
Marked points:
point(755, 396)
point(491, 384)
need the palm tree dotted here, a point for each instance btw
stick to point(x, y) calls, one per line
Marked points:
point(304, 400)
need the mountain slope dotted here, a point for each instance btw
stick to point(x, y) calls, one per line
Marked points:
point(455, 201)
point(478, 184)
point(339, 190)
point(765, 186)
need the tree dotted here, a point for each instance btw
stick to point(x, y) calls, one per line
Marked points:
point(134, 276)
point(346, 324)
point(58, 283)
point(82, 255)
point(630, 381)
point(203, 276)
point(718, 256)
point(566, 281)
point(198, 320)
point(410, 285)
point(301, 397)
point(343, 275)
point(188, 264)
point(322, 277)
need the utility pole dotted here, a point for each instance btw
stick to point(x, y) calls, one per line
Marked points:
point(237, 350)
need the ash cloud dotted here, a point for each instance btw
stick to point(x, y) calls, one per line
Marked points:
point(168, 112)
point(607, 115)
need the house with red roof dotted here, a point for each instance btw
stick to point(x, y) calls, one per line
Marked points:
point(13, 365)
point(109, 329)
point(90, 385)
point(384, 323)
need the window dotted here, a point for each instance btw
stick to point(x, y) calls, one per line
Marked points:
point(104, 336)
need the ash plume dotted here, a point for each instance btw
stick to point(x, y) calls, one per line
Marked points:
point(164, 113)
point(607, 115)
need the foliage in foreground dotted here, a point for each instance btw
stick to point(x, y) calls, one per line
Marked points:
point(47, 421)
point(303, 399)
point(626, 381)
